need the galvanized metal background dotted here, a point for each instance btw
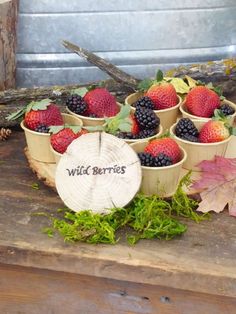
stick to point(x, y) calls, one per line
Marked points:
point(138, 36)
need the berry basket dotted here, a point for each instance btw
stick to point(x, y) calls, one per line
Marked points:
point(39, 143)
point(186, 114)
point(197, 152)
point(167, 116)
point(159, 180)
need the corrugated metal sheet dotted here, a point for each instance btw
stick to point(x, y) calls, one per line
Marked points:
point(138, 36)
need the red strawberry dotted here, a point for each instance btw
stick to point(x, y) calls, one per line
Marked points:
point(62, 139)
point(134, 128)
point(51, 115)
point(213, 131)
point(82, 132)
point(166, 146)
point(202, 101)
point(101, 103)
point(163, 95)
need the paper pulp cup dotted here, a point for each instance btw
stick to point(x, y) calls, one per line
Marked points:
point(87, 121)
point(57, 156)
point(186, 114)
point(162, 181)
point(197, 152)
point(167, 116)
point(39, 143)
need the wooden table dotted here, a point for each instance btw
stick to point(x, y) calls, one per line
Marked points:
point(194, 274)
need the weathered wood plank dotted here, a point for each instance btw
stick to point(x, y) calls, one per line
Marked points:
point(202, 260)
point(8, 21)
point(54, 92)
point(34, 291)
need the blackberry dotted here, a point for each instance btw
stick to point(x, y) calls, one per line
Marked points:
point(162, 160)
point(146, 159)
point(144, 102)
point(42, 128)
point(76, 104)
point(146, 133)
point(126, 135)
point(190, 138)
point(185, 126)
point(93, 115)
point(227, 110)
point(146, 118)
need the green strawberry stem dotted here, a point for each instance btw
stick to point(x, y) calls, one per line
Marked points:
point(54, 129)
point(80, 91)
point(33, 105)
point(219, 116)
point(145, 84)
point(120, 122)
point(159, 76)
point(16, 115)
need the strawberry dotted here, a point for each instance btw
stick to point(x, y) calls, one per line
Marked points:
point(165, 146)
point(162, 95)
point(62, 139)
point(134, 125)
point(101, 103)
point(213, 131)
point(202, 101)
point(49, 116)
point(37, 113)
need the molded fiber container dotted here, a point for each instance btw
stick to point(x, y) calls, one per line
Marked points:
point(167, 116)
point(186, 114)
point(39, 143)
point(197, 152)
point(162, 181)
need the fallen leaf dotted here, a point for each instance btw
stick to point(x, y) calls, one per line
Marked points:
point(180, 86)
point(191, 82)
point(218, 185)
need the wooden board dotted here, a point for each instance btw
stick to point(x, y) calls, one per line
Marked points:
point(202, 261)
point(38, 291)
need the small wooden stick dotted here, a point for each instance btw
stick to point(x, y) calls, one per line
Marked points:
point(117, 74)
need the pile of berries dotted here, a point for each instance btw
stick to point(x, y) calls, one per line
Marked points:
point(186, 130)
point(95, 103)
point(202, 101)
point(211, 132)
point(160, 152)
point(145, 122)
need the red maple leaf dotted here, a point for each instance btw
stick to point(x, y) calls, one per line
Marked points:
point(218, 185)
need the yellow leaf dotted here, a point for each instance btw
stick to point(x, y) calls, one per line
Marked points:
point(180, 86)
point(191, 82)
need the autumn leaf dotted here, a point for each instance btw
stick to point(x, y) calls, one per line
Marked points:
point(218, 185)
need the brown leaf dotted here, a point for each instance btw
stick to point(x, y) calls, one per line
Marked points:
point(218, 180)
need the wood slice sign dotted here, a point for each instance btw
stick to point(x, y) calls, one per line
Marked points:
point(98, 171)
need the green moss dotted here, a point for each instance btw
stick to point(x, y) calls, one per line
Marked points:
point(146, 217)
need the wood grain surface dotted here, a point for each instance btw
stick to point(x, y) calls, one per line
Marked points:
point(201, 261)
point(8, 21)
point(33, 291)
